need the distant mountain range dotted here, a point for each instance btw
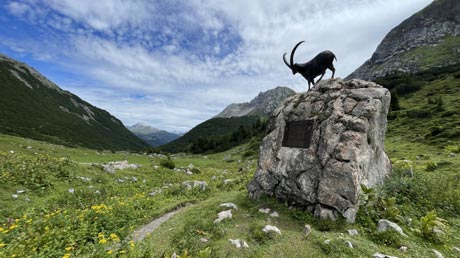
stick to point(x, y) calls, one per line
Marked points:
point(31, 106)
point(151, 135)
point(232, 118)
point(429, 38)
point(262, 105)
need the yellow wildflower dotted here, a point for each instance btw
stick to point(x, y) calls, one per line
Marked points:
point(109, 251)
point(131, 244)
point(69, 248)
point(13, 226)
point(2, 245)
point(103, 241)
point(114, 237)
point(66, 255)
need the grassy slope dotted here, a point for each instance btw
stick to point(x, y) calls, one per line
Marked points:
point(211, 127)
point(36, 113)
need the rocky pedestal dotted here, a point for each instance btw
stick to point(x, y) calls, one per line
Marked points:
point(322, 145)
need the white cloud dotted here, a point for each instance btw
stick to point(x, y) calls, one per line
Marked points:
point(188, 60)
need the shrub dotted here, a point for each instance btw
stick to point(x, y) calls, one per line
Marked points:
point(388, 238)
point(431, 166)
point(168, 163)
point(430, 224)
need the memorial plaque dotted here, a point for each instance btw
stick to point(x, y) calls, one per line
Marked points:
point(297, 134)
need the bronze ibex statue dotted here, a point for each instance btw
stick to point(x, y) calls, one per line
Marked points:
point(313, 68)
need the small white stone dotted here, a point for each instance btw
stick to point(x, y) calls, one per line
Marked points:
point(456, 249)
point(97, 192)
point(379, 255)
point(223, 215)
point(327, 241)
point(229, 205)
point(71, 190)
point(12, 151)
point(269, 228)
point(403, 248)
point(266, 211)
point(274, 214)
point(15, 196)
point(352, 232)
point(204, 240)
point(437, 253)
point(239, 243)
point(349, 244)
point(20, 191)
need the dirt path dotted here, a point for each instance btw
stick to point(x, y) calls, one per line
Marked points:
point(145, 230)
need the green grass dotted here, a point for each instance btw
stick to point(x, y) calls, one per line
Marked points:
point(54, 219)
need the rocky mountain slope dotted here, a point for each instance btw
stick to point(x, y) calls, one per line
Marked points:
point(151, 135)
point(262, 105)
point(34, 107)
point(429, 38)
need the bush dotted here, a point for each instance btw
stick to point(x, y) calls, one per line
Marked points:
point(389, 238)
point(430, 224)
point(431, 166)
point(168, 163)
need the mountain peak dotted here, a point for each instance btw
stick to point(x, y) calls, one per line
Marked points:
point(429, 38)
point(263, 104)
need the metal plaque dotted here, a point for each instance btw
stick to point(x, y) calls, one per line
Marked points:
point(297, 134)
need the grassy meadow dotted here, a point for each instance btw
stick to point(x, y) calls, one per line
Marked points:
point(48, 210)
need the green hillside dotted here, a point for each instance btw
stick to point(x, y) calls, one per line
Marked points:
point(213, 127)
point(426, 105)
point(33, 107)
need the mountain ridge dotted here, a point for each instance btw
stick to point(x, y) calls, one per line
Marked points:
point(34, 107)
point(263, 104)
point(428, 38)
point(151, 135)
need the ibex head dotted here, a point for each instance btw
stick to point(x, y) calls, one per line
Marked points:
point(291, 64)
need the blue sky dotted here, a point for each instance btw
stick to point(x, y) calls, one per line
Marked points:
point(173, 64)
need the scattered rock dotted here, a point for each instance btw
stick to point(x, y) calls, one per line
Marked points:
point(71, 190)
point(437, 253)
point(403, 248)
point(228, 181)
point(379, 255)
point(352, 232)
point(269, 228)
point(20, 191)
point(266, 211)
point(384, 225)
point(84, 179)
point(188, 172)
point(154, 193)
point(229, 205)
point(204, 240)
point(133, 179)
point(274, 214)
point(29, 147)
point(349, 244)
point(14, 196)
point(327, 241)
point(190, 166)
point(118, 165)
point(97, 192)
point(456, 249)
point(12, 151)
point(452, 155)
point(343, 147)
point(239, 243)
point(223, 215)
point(156, 167)
point(119, 180)
point(190, 184)
point(306, 231)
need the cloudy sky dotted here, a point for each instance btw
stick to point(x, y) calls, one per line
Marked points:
point(173, 64)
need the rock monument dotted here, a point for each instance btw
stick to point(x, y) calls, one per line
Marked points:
point(322, 145)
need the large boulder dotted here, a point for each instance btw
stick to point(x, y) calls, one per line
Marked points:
point(322, 145)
